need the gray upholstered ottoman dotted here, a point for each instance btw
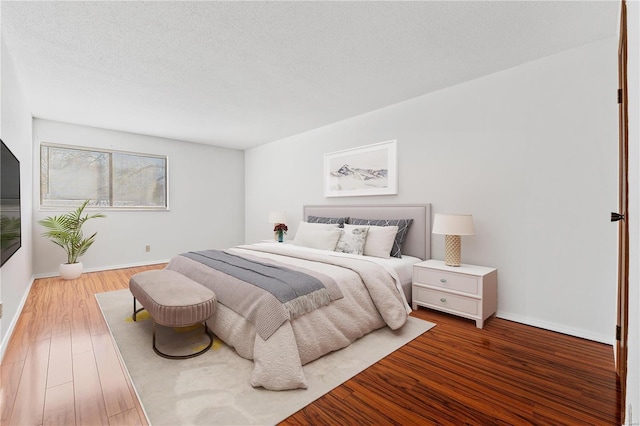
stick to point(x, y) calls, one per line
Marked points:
point(172, 300)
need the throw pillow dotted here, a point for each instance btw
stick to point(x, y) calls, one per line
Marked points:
point(320, 219)
point(402, 224)
point(352, 240)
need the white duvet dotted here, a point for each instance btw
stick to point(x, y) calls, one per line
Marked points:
point(365, 307)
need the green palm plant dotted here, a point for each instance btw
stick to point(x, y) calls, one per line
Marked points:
point(66, 231)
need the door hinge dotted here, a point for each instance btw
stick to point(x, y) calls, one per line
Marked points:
point(618, 332)
point(616, 217)
point(619, 96)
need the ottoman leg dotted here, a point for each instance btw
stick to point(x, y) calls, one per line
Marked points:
point(135, 313)
point(168, 356)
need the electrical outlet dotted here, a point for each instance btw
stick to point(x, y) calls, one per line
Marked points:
point(147, 249)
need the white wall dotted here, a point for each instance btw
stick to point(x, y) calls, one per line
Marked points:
point(206, 200)
point(16, 274)
point(633, 362)
point(531, 152)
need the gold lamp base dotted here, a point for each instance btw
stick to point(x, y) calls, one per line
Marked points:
point(452, 250)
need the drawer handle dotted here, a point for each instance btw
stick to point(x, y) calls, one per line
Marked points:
point(443, 300)
point(443, 280)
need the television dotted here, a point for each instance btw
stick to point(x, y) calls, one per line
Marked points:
point(10, 234)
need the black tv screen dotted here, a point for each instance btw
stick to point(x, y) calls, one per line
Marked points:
point(10, 235)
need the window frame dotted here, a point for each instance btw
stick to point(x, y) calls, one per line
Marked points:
point(110, 152)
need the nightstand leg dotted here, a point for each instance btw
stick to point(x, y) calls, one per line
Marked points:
point(479, 323)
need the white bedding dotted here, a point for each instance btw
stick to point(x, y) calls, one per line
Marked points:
point(365, 307)
point(401, 267)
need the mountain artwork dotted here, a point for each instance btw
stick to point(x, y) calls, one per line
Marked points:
point(365, 170)
point(347, 177)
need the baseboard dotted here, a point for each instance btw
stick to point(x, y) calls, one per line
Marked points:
point(107, 268)
point(14, 320)
point(576, 332)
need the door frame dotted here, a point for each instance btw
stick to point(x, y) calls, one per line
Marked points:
point(622, 322)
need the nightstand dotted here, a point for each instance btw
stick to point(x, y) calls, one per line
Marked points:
point(468, 291)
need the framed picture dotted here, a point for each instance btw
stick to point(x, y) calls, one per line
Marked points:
point(366, 170)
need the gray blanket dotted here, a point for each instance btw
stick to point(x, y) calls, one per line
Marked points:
point(265, 292)
point(284, 283)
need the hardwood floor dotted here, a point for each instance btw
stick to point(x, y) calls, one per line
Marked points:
point(61, 368)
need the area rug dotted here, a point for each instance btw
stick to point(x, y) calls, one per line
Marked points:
point(214, 388)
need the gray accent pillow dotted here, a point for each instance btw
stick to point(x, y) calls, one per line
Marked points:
point(403, 227)
point(352, 240)
point(320, 219)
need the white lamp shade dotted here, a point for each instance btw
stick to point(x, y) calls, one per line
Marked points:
point(453, 224)
point(276, 216)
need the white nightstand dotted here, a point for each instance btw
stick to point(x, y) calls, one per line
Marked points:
point(466, 290)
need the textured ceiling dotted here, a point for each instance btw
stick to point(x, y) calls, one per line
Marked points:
point(239, 74)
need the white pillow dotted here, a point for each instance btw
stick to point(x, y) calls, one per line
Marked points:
point(316, 226)
point(352, 240)
point(323, 236)
point(379, 240)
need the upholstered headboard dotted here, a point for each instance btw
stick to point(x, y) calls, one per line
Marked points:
point(418, 240)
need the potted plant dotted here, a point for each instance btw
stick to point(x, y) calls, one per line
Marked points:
point(66, 231)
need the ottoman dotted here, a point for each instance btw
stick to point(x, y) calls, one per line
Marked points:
point(172, 300)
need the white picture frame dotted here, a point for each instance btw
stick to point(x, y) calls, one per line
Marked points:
point(362, 171)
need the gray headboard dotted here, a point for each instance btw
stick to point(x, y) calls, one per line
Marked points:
point(418, 240)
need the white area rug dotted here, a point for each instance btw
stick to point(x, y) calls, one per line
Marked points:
point(214, 388)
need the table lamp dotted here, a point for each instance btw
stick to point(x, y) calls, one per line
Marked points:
point(452, 226)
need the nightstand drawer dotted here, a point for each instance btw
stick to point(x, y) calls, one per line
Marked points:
point(447, 280)
point(446, 300)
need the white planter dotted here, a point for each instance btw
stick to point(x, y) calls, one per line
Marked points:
point(70, 271)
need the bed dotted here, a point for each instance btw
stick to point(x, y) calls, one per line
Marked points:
point(360, 294)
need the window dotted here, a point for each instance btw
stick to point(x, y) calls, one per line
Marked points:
point(70, 175)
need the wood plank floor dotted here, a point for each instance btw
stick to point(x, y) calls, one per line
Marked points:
point(61, 368)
